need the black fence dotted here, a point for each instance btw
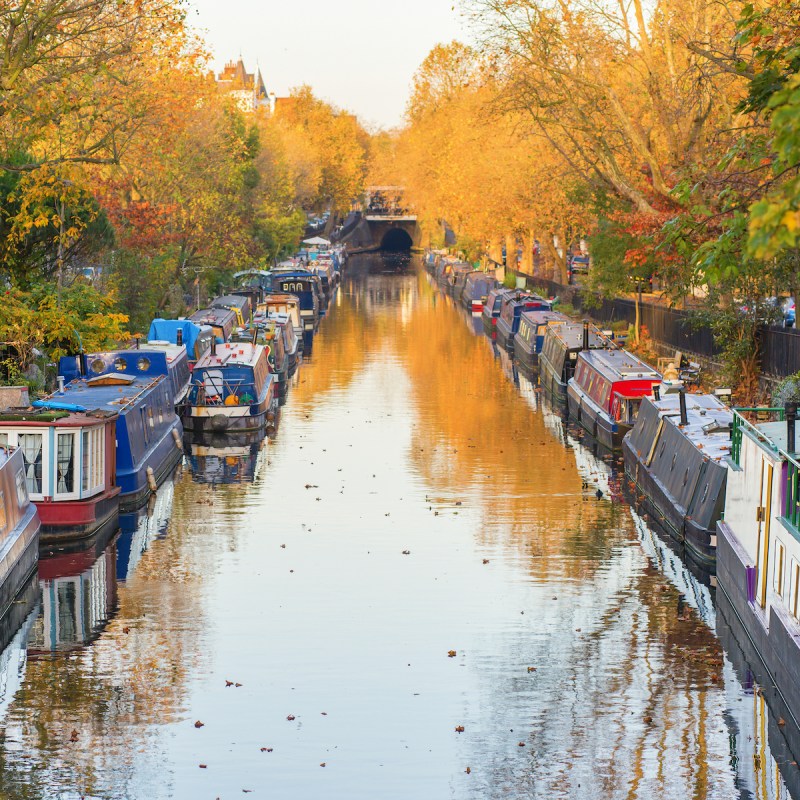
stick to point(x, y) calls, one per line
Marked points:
point(780, 351)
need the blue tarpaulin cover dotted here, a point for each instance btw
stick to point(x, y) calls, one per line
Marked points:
point(166, 330)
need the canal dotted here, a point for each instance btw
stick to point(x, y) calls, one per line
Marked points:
point(425, 586)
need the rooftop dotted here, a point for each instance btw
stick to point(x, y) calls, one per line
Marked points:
point(620, 365)
point(709, 422)
point(230, 354)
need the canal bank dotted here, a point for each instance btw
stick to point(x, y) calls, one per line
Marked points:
point(297, 605)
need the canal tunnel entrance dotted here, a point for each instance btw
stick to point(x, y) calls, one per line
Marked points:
point(396, 240)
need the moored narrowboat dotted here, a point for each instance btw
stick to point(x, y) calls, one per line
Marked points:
point(282, 303)
point(758, 544)
point(305, 286)
point(491, 309)
point(476, 290)
point(606, 390)
point(291, 341)
point(459, 279)
point(19, 535)
point(511, 308)
point(195, 338)
point(232, 390)
point(222, 321)
point(559, 354)
point(530, 336)
point(70, 466)
point(238, 303)
point(676, 455)
point(134, 385)
point(269, 335)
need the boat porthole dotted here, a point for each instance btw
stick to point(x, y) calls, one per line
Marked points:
point(143, 364)
point(98, 365)
point(120, 364)
point(672, 465)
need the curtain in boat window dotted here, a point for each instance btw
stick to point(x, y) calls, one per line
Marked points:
point(66, 463)
point(31, 444)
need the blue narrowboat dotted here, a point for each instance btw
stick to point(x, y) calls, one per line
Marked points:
point(511, 308)
point(135, 385)
point(232, 390)
point(305, 285)
point(476, 291)
point(530, 336)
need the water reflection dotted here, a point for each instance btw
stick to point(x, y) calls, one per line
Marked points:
point(419, 499)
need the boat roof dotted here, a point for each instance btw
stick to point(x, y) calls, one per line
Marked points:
point(172, 351)
point(111, 397)
point(273, 298)
point(539, 315)
point(9, 417)
point(570, 334)
point(243, 354)
point(619, 365)
point(213, 316)
point(226, 300)
point(709, 421)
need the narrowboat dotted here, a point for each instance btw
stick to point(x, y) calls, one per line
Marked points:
point(291, 341)
point(70, 466)
point(255, 282)
point(253, 293)
point(79, 594)
point(476, 290)
point(676, 456)
point(239, 304)
point(491, 309)
point(196, 339)
point(758, 543)
point(305, 286)
point(279, 303)
point(606, 390)
point(19, 534)
point(232, 390)
point(511, 308)
point(530, 336)
point(222, 321)
point(459, 279)
point(325, 273)
point(559, 354)
point(134, 385)
point(269, 335)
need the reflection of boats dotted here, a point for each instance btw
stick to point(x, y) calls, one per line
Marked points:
point(529, 390)
point(15, 627)
point(139, 528)
point(674, 455)
point(69, 460)
point(765, 739)
point(217, 461)
point(697, 588)
point(79, 593)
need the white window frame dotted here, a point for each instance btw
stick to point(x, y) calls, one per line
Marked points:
point(13, 441)
point(95, 467)
point(77, 441)
point(794, 588)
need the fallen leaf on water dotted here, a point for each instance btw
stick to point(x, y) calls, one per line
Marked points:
point(199, 724)
point(485, 560)
point(237, 685)
point(324, 713)
point(520, 744)
point(468, 770)
point(283, 546)
point(451, 653)
point(459, 729)
point(781, 721)
point(203, 766)
point(406, 552)
point(73, 737)
point(126, 630)
point(229, 683)
point(290, 717)
point(648, 719)
point(322, 764)
point(531, 669)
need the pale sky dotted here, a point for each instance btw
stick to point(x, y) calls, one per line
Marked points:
point(357, 54)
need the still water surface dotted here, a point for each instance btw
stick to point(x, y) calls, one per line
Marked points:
point(282, 620)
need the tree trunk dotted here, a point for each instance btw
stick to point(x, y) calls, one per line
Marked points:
point(511, 252)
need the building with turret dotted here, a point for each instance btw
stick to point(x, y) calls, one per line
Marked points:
point(248, 88)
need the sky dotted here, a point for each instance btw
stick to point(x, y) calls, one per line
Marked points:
point(359, 55)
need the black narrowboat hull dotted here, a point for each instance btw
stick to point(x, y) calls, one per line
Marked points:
point(607, 433)
point(505, 336)
point(525, 358)
point(552, 384)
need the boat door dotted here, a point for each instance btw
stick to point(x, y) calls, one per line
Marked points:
point(764, 516)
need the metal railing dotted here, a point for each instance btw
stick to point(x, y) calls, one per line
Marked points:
point(740, 424)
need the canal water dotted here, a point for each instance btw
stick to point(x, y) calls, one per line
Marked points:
point(425, 586)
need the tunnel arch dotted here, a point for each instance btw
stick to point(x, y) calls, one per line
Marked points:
point(396, 240)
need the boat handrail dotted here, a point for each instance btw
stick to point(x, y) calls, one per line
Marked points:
point(740, 424)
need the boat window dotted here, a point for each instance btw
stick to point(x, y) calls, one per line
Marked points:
point(794, 588)
point(3, 517)
point(4, 440)
point(31, 446)
point(120, 364)
point(705, 494)
point(65, 481)
point(151, 418)
point(686, 476)
point(22, 489)
point(98, 366)
point(86, 460)
point(213, 383)
point(780, 557)
point(143, 364)
point(672, 465)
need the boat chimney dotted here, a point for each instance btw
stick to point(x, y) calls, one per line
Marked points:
point(790, 410)
point(179, 337)
point(682, 401)
point(213, 345)
point(656, 393)
point(586, 334)
point(61, 384)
